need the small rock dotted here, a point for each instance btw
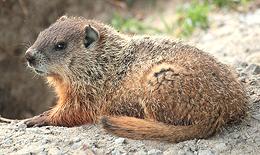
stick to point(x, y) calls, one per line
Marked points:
point(242, 79)
point(41, 153)
point(7, 141)
point(236, 136)
point(244, 64)
point(34, 130)
point(85, 152)
point(47, 131)
point(108, 151)
point(21, 125)
point(251, 92)
point(254, 58)
point(189, 153)
point(77, 139)
point(206, 152)
point(54, 151)
point(253, 69)
point(14, 123)
point(99, 151)
point(141, 152)
point(92, 144)
point(154, 152)
point(116, 152)
point(183, 152)
point(171, 151)
point(239, 69)
point(242, 74)
point(32, 150)
point(257, 116)
point(257, 141)
point(76, 145)
point(220, 147)
point(36, 140)
point(45, 141)
point(240, 64)
point(120, 141)
point(253, 83)
point(110, 138)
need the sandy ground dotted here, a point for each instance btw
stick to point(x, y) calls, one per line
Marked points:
point(233, 38)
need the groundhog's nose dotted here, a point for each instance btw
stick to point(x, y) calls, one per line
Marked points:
point(29, 56)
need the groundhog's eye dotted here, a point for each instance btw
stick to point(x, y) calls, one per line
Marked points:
point(60, 46)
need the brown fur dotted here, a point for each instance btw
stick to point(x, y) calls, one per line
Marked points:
point(141, 87)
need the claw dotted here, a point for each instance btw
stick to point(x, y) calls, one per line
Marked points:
point(37, 121)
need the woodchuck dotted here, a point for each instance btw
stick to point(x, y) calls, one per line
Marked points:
point(140, 87)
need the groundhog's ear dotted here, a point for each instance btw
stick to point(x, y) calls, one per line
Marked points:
point(91, 35)
point(62, 18)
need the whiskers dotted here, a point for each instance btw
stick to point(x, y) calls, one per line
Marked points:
point(26, 45)
point(36, 76)
point(28, 68)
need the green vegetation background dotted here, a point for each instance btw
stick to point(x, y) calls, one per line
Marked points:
point(190, 16)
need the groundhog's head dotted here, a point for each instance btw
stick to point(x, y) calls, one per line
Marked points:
point(67, 42)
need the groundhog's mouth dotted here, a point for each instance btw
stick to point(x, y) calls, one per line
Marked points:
point(38, 71)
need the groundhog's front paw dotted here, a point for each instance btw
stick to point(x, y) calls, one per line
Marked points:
point(37, 121)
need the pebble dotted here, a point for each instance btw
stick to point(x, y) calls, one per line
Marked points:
point(221, 147)
point(239, 69)
point(85, 152)
point(253, 83)
point(32, 150)
point(154, 152)
point(45, 141)
point(47, 131)
point(206, 152)
point(77, 139)
point(257, 116)
point(253, 69)
point(116, 152)
point(183, 152)
point(99, 151)
point(41, 153)
point(250, 19)
point(236, 136)
point(256, 70)
point(257, 141)
point(120, 141)
point(141, 152)
point(242, 79)
point(76, 145)
point(110, 138)
point(7, 141)
point(21, 125)
point(54, 151)
point(170, 151)
point(35, 130)
point(242, 74)
point(178, 151)
point(240, 64)
point(14, 123)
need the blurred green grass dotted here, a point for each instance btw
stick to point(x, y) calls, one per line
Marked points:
point(190, 16)
point(228, 3)
point(132, 25)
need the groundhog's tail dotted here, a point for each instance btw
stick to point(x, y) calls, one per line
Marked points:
point(135, 128)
